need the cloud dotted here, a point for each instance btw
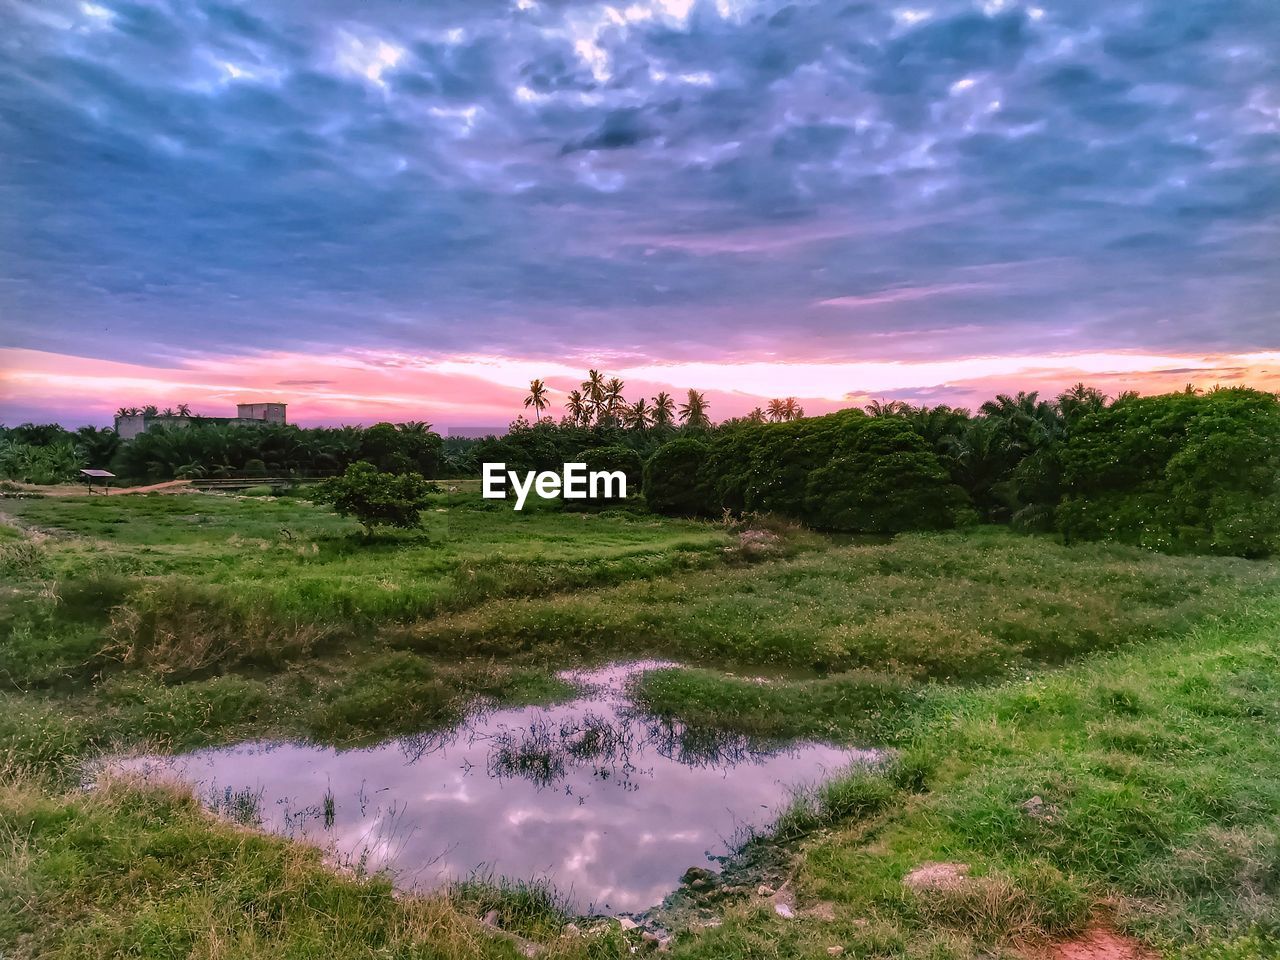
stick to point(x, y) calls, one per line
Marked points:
point(676, 182)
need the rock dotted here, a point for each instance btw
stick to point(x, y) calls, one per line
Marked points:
point(491, 918)
point(571, 930)
point(784, 910)
point(835, 951)
point(824, 911)
point(627, 923)
point(695, 875)
point(1037, 809)
point(650, 938)
point(937, 876)
point(765, 890)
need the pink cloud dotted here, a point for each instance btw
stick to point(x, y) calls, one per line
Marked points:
point(366, 387)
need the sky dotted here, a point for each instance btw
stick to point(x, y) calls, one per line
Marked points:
point(406, 210)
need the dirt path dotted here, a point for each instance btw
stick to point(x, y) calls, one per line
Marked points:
point(171, 485)
point(78, 490)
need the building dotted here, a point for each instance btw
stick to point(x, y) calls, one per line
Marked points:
point(266, 412)
point(128, 427)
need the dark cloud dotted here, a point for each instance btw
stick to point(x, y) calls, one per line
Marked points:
point(180, 176)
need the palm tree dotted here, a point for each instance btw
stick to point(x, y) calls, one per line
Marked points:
point(694, 411)
point(149, 410)
point(757, 415)
point(537, 398)
point(637, 416)
point(664, 410)
point(184, 410)
point(894, 408)
point(416, 427)
point(593, 391)
point(124, 412)
point(579, 407)
point(613, 399)
point(1079, 401)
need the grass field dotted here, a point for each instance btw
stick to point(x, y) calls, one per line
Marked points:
point(1089, 730)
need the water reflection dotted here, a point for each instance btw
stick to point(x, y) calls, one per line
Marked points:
point(609, 805)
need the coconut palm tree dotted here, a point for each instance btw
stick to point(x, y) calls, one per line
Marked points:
point(593, 392)
point(537, 398)
point(124, 412)
point(1080, 401)
point(776, 409)
point(757, 415)
point(664, 410)
point(693, 412)
point(614, 402)
point(791, 408)
point(184, 410)
point(637, 416)
point(579, 408)
point(150, 410)
point(893, 408)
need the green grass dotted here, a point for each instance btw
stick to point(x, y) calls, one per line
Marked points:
point(1091, 730)
point(300, 561)
point(1158, 772)
point(950, 606)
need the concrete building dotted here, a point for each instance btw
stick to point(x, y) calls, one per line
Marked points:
point(246, 413)
point(268, 412)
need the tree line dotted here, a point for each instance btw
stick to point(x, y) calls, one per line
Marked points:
point(1182, 471)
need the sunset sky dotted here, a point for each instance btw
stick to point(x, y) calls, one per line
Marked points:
point(405, 210)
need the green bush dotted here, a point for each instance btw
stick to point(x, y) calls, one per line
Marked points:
point(1182, 471)
point(885, 480)
point(672, 478)
point(845, 471)
point(611, 458)
point(377, 499)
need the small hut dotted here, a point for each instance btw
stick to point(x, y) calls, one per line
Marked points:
point(105, 476)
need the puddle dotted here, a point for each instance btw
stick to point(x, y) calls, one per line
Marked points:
point(608, 805)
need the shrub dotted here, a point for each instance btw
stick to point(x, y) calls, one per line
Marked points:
point(885, 480)
point(377, 499)
point(1181, 472)
point(611, 458)
point(845, 471)
point(672, 478)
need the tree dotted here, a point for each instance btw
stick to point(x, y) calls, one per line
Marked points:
point(664, 410)
point(637, 416)
point(893, 408)
point(613, 399)
point(579, 407)
point(184, 410)
point(593, 392)
point(537, 398)
point(784, 411)
point(377, 499)
point(671, 478)
point(693, 412)
point(1080, 401)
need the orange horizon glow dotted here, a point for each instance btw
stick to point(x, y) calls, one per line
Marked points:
point(461, 391)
